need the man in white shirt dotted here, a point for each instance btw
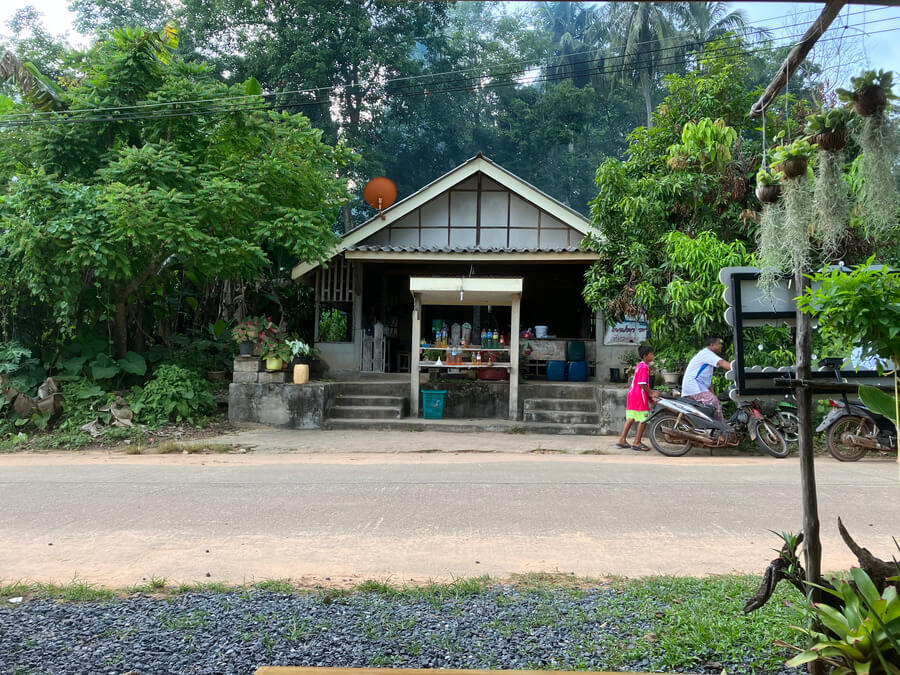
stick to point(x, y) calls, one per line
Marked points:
point(698, 375)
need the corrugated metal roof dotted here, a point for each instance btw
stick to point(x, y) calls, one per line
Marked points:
point(462, 249)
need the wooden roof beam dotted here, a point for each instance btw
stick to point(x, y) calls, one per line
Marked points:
point(798, 53)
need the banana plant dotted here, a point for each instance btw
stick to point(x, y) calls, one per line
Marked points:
point(36, 88)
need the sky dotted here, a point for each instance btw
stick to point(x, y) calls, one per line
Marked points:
point(840, 45)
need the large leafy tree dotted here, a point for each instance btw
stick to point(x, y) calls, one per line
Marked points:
point(691, 183)
point(102, 209)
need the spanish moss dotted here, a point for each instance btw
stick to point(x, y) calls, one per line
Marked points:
point(879, 202)
point(831, 199)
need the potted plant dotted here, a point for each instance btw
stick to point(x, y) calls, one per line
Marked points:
point(871, 92)
point(768, 186)
point(629, 361)
point(275, 352)
point(830, 131)
point(246, 334)
point(792, 160)
point(301, 352)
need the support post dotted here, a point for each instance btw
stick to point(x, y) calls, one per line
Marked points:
point(514, 357)
point(414, 357)
point(812, 544)
point(358, 332)
point(797, 54)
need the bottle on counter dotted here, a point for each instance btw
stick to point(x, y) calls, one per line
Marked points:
point(483, 337)
point(495, 340)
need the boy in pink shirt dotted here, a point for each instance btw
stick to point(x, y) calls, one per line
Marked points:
point(637, 407)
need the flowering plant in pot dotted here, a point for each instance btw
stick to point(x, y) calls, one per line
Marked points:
point(768, 186)
point(830, 131)
point(275, 351)
point(246, 333)
point(792, 160)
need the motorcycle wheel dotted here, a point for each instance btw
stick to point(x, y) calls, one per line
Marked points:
point(658, 439)
point(841, 450)
point(789, 426)
point(770, 439)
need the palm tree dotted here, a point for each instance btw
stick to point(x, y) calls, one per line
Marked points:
point(705, 21)
point(569, 25)
point(642, 33)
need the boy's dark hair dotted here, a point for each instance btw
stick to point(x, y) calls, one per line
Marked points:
point(711, 340)
point(643, 350)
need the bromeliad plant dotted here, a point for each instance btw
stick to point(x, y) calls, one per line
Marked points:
point(871, 92)
point(862, 637)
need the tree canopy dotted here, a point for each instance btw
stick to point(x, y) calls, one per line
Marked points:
point(102, 214)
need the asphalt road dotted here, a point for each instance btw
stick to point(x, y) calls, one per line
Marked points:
point(119, 519)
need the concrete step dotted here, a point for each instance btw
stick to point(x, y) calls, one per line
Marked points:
point(365, 412)
point(558, 428)
point(562, 417)
point(361, 400)
point(419, 424)
point(557, 390)
point(582, 404)
point(375, 388)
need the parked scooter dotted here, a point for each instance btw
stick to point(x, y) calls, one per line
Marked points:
point(852, 429)
point(678, 424)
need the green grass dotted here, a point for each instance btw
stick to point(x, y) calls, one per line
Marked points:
point(275, 586)
point(76, 591)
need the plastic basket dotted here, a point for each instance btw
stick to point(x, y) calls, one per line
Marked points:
point(433, 404)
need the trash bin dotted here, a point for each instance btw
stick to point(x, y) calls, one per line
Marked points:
point(433, 404)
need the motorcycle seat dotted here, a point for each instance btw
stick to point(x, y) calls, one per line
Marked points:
point(706, 409)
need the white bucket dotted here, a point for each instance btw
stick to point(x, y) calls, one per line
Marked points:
point(540, 331)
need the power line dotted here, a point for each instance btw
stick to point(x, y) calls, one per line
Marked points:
point(238, 108)
point(479, 72)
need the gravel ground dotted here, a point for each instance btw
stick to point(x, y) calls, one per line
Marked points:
point(235, 632)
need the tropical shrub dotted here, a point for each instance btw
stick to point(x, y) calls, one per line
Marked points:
point(862, 636)
point(333, 326)
point(173, 394)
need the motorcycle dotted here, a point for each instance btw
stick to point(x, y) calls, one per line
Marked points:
point(853, 429)
point(678, 424)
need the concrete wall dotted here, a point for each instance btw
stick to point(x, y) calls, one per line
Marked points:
point(338, 358)
point(478, 399)
point(296, 406)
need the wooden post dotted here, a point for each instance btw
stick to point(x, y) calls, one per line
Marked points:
point(414, 357)
point(797, 54)
point(812, 544)
point(357, 297)
point(514, 357)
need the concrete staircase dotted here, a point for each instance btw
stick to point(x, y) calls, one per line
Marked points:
point(363, 404)
point(561, 409)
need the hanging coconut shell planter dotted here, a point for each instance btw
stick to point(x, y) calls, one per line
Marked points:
point(793, 160)
point(830, 131)
point(768, 186)
point(871, 91)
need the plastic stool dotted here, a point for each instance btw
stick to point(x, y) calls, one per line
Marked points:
point(575, 351)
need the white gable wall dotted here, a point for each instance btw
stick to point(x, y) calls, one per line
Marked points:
point(451, 220)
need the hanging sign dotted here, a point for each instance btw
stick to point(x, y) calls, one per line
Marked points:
point(628, 332)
